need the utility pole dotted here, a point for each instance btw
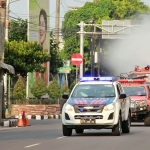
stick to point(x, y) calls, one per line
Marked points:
point(99, 51)
point(57, 20)
point(2, 24)
point(7, 19)
point(7, 77)
point(8, 2)
point(81, 24)
point(92, 55)
point(2, 36)
point(6, 38)
point(92, 51)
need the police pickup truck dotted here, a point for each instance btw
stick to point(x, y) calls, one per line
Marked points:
point(96, 103)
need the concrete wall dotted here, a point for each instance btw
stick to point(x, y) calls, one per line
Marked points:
point(36, 109)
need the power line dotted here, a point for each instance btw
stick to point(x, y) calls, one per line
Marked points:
point(67, 31)
point(65, 4)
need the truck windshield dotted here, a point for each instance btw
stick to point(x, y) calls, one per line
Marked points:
point(135, 90)
point(93, 91)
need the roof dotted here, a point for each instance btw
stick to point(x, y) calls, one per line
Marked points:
point(9, 68)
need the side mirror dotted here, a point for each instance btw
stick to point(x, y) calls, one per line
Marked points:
point(122, 95)
point(65, 96)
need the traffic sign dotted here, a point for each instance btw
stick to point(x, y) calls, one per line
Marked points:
point(76, 59)
point(64, 69)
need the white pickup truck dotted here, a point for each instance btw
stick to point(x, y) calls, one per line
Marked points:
point(96, 103)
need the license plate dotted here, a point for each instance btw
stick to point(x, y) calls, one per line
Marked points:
point(87, 121)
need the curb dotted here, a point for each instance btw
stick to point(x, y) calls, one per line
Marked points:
point(9, 123)
point(42, 117)
point(13, 122)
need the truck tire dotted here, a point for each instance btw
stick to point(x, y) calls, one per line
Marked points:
point(147, 120)
point(126, 125)
point(66, 131)
point(79, 131)
point(117, 129)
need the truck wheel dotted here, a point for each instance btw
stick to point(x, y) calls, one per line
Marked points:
point(147, 120)
point(117, 129)
point(126, 125)
point(66, 131)
point(79, 131)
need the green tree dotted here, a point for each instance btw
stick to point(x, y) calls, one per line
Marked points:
point(18, 34)
point(96, 12)
point(17, 30)
point(56, 59)
point(25, 56)
point(54, 90)
point(39, 88)
point(19, 91)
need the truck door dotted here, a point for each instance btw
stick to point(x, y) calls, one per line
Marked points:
point(122, 101)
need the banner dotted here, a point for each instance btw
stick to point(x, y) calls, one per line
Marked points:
point(38, 30)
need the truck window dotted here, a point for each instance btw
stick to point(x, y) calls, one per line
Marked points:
point(135, 90)
point(93, 91)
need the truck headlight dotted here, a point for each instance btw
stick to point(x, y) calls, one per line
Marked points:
point(143, 103)
point(109, 107)
point(69, 107)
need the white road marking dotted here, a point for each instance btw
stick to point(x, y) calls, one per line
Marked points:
point(32, 145)
point(60, 137)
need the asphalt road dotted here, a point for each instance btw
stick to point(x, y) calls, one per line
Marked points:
point(47, 135)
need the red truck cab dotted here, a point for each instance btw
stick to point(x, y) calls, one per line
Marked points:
point(140, 99)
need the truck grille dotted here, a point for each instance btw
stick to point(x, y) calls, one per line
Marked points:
point(88, 108)
point(88, 117)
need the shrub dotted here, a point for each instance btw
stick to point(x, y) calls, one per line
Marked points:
point(54, 90)
point(38, 88)
point(19, 91)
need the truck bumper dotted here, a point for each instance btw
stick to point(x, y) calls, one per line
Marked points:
point(89, 120)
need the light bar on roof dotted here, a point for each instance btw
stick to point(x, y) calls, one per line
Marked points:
point(131, 80)
point(97, 79)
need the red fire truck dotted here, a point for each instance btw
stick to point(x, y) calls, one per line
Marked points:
point(140, 73)
point(137, 85)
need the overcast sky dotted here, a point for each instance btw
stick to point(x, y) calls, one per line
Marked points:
point(19, 8)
